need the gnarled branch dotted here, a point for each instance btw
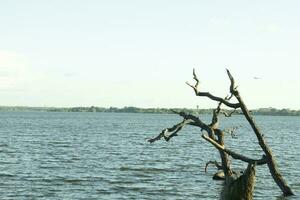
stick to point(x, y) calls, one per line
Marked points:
point(168, 133)
point(207, 94)
point(213, 130)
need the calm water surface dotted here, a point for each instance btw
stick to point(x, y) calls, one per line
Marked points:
point(106, 156)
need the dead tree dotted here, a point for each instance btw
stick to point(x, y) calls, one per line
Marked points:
point(235, 187)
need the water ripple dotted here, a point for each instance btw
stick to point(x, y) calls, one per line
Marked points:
point(105, 156)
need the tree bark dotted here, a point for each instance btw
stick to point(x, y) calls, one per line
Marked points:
point(241, 187)
point(271, 162)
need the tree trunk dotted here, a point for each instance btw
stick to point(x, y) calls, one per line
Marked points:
point(240, 187)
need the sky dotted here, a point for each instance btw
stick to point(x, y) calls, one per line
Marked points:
point(140, 53)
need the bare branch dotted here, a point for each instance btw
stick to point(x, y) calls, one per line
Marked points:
point(219, 99)
point(233, 88)
point(213, 131)
point(276, 174)
point(196, 79)
point(195, 121)
point(218, 166)
point(192, 86)
point(229, 97)
point(207, 94)
point(228, 114)
point(168, 133)
point(151, 140)
point(233, 154)
point(215, 120)
point(231, 131)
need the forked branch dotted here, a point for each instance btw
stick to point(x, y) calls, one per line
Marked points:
point(207, 94)
point(232, 88)
point(168, 133)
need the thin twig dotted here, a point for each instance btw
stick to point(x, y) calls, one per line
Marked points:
point(218, 166)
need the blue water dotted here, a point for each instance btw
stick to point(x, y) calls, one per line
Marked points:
point(106, 156)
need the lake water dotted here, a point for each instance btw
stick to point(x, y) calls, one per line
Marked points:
point(106, 156)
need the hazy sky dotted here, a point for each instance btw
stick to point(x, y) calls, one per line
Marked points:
point(140, 53)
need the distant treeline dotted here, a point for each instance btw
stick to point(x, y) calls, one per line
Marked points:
point(260, 111)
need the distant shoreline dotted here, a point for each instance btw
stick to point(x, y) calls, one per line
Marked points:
point(260, 111)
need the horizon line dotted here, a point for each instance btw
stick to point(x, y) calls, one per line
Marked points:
point(108, 107)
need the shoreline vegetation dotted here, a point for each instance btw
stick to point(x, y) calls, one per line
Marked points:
point(260, 111)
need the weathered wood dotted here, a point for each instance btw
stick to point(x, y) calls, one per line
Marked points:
point(209, 95)
point(240, 187)
point(261, 141)
point(235, 155)
point(235, 186)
